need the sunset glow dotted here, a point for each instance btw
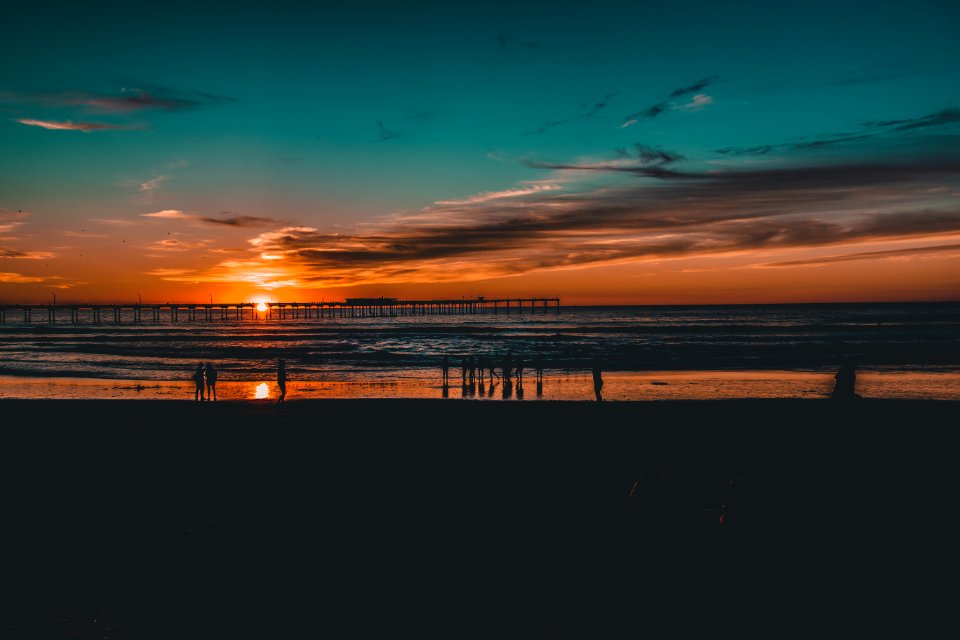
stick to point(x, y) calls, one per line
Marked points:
point(539, 162)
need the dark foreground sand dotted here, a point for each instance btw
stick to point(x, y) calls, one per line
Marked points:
point(380, 519)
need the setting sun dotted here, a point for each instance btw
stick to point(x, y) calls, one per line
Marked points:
point(262, 307)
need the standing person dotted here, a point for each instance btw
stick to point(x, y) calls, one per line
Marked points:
point(463, 370)
point(507, 365)
point(472, 367)
point(538, 366)
point(282, 379)
point(846, 383)
point(519, 370)
point(445, 367)
point(198, 381)
point(481, 365)
point(597, 378)
point(211, 375)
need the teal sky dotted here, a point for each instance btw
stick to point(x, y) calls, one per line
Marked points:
point(273, 116)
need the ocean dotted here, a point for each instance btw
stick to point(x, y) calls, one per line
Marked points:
point(651, 352)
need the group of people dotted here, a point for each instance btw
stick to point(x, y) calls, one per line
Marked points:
point(472, 370)
point(207, 375)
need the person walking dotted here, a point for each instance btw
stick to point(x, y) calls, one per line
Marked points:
point(198, 381)
point(282, 379)
point(598, 379)
point(211, 374)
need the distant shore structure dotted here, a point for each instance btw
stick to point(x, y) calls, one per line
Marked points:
point(137, 312)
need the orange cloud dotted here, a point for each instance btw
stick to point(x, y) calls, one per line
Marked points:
point(67, 125)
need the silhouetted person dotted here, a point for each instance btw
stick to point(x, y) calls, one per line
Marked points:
point(463, 370)
point(472, 368)
point(507, 366)
point(538, 367)
point(519, 370)
point(846, 382)
point(481, 365)
point(445, 367)
point(282, 379)
point(211, 374)
point(598, 379)
point(198, 381)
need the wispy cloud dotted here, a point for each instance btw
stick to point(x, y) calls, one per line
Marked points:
point(938, 119)
point(153, 184)
point(10, 219)
point(487, 196)
point(223, 221)
point(587, 111)
point(7, 252)
point(658, 213)
point(176, 245)
point(83, 234)
point(873, 130)
point(698, 102)
point(867, 255)
point(649, 155)
point(699, 85)
point(128, 100)
point(67, 125)
point(17, 278)
point(169, 214)
point(239, 221)
point(384, 134)
point(166, 273)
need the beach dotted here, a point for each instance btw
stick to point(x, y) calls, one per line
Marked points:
point(469, 519)
point(554, 385)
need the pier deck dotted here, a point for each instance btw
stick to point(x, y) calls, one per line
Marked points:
point(137, 312)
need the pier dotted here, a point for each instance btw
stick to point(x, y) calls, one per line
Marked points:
point(137, 312)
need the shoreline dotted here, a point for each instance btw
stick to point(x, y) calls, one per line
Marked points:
point(619, 386)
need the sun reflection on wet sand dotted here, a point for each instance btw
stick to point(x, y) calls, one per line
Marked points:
point(261, 391)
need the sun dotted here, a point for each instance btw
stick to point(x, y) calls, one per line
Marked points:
point(262, 307)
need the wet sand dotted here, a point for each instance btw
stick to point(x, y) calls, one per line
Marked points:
point(556, 385)
point(420, 518)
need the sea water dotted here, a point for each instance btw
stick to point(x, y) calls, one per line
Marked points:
point(902, 350)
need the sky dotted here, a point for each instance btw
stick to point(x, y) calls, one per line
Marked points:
point(605, 152)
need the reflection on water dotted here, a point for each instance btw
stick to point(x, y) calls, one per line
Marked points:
point(576, 385)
